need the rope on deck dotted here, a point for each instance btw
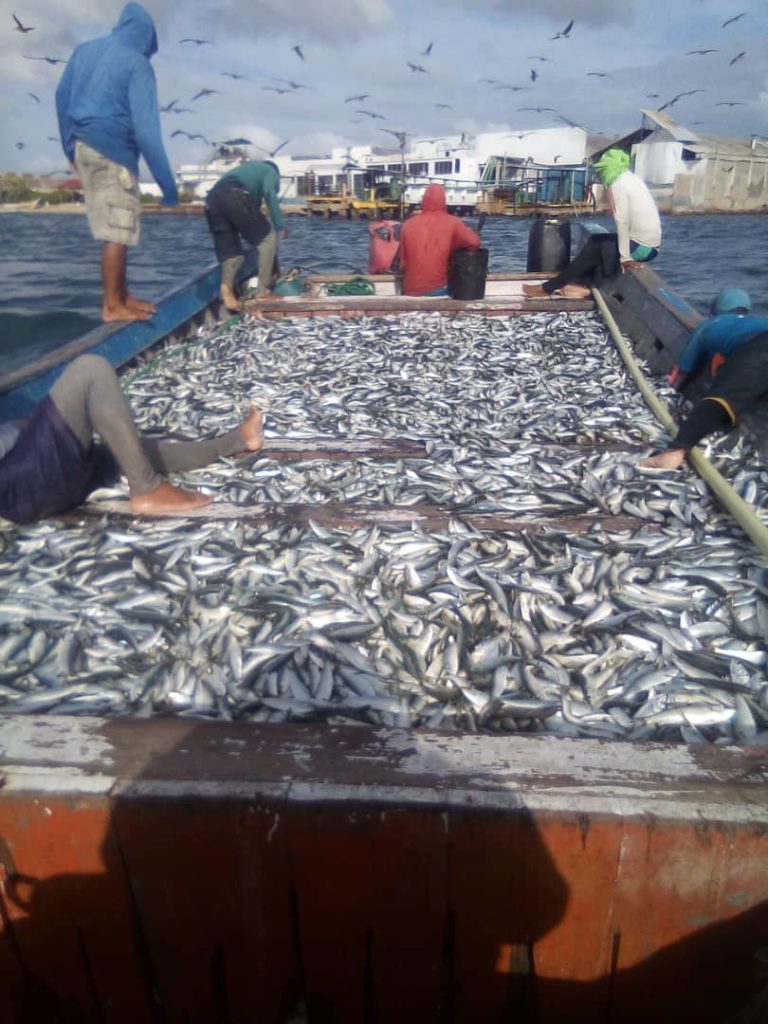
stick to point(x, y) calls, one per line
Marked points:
point(742, 511)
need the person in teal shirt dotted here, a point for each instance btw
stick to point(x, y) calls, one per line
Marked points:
point(736, 342)
point(233, 211)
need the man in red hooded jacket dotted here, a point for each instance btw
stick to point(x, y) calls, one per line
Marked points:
point(426, 243)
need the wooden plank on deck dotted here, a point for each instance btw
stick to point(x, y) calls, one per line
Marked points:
point(351, 516)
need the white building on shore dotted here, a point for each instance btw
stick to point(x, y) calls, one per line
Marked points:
point(458, 162)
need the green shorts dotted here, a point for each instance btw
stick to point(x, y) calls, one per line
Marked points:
point(111, 196)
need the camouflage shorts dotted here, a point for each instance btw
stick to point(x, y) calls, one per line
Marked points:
point(111, 196)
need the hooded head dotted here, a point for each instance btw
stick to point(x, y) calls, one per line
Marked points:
point(611, 164)
point(137, 30)
point(434, 200)
point(731, 300)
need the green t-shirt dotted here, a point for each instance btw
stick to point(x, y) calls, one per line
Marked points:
point(263, 183)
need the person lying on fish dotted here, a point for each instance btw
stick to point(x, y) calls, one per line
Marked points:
point(50, 463)
point(736, 342)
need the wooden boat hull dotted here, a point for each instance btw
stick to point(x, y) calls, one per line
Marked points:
point(183, 870)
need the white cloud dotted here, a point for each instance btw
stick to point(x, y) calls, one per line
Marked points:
point(589, 11)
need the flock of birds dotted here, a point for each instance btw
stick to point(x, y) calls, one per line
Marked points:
point(286, 86)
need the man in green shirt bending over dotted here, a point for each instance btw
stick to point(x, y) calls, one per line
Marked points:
point(233, 209)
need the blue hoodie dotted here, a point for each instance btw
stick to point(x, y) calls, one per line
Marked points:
point(107, 97)
point(720, 334)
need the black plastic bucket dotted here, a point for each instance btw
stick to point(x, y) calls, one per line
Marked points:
point(549, 245)
point(466, 274)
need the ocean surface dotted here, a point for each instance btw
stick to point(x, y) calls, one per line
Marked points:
point(50, 282)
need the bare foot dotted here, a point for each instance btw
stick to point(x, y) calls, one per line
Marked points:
point(673, 458)
point(133, 303)
point(167, 498)
point(116, 313)
point(268, 297)
point(229, 299)
point(252, 429)
point(576, 291)
point(534, 291)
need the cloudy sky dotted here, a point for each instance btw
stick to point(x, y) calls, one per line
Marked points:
point(620, 56)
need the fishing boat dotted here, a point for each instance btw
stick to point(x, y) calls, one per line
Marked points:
point(172, 867)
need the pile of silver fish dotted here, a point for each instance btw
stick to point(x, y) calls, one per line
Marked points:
point(654, 633)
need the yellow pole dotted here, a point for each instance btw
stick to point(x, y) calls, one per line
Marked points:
point(741, 510)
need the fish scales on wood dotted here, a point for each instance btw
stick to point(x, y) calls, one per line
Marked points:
point(653, 633)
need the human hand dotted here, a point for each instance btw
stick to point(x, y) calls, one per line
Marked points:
point(677, 378)
point(630, 265)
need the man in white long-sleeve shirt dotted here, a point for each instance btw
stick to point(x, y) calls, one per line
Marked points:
point(637, 238)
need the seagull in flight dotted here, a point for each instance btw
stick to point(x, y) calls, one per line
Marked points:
point(169, 107)
point(48, 60)
point(598, 74)
point(299, 52)
point(426, 53)
point(544, 60)
point(293, 85)
point(202, 93)
point(36, 98)
point(20, 145)
point(180, 131)
point(416, 67)
point(512, 88)
point(731, 103)
point(232, 75)
point(358, 99)
point(680, 95)
point(534, 74)
point(272, 152)
point(689, 52)
point(370, 113)
point(444, 106)
point(22, 28)
point(200, 42)
point(276, 88)
point(539, 110)
point(565, 32)
point(737, 57)
point(730, 21)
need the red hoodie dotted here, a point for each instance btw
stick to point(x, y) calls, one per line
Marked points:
point(426, 242)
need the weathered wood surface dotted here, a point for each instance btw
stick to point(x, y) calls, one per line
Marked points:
point(323, 448)
point(375, 305)
point(301, 762)
point(181, 870)
point(351, 516)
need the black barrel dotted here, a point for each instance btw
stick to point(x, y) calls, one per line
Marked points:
point(549, 245)
point(466, 274)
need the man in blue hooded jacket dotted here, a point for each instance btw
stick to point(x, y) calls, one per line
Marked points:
point(108, 117)
point(736, 342)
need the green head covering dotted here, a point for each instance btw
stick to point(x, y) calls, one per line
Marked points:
point(611, 164)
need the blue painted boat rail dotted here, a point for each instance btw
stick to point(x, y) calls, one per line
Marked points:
point(23, 388)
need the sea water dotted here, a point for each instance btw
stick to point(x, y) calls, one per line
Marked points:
point(50, 282)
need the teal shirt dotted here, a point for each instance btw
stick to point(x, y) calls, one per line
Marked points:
point(263, 184)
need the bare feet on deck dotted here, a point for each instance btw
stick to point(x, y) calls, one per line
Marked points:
point(534, 291)
point(252, 430)
point(118, 313)
point(576, 291)
point(673, 458)
point(229, 299)
point(131, 302)
point(167, 498)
